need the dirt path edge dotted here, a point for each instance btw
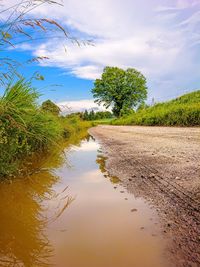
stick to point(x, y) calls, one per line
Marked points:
point(161, 165)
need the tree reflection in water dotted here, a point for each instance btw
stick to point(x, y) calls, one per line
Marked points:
point(101, 161)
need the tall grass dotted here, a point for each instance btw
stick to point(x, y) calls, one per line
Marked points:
point(182, 111)
point(25, 128)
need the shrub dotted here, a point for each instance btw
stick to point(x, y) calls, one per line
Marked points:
point(24, 128)
point(49, 106)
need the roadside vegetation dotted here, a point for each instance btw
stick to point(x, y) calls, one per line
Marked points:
point(95, 116)
point(182, 111)
point(102, 121)
point(27, 128)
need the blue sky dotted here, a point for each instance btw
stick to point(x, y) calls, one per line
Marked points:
point(159, 38)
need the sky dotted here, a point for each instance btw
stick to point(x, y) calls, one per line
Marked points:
point(159, 38)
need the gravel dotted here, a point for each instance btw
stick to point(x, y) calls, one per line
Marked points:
point(162, 165)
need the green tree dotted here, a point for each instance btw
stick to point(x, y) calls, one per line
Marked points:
point(122, 89)
point(85, 115)
point(51, 107)
point(92, 115)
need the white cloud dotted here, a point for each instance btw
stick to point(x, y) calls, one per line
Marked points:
point(192, 21)
point(90, 72)
point(178, 5)
point(161, 40)
point(187, 3)
point(79, 105)
point(145, 53)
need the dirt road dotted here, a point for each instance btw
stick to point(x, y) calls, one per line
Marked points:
point(161, 164)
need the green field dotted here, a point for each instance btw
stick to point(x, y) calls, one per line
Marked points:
point(102, 121)
point(182, 111)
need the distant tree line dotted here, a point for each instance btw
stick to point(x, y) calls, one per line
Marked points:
point(50, 107)
point(91, 115)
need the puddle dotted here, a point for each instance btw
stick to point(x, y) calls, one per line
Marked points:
point(77, 216)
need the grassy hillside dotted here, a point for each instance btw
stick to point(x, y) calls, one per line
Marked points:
point(182, 111)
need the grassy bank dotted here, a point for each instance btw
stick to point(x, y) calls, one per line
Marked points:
point(182, 111)
point(26, 129)
point(102, 121)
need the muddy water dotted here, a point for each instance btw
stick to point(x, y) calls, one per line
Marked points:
point(76, 215)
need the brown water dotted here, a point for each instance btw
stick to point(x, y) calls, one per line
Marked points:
point(76, 215)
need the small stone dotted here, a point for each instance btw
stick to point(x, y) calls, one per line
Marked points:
point(133, 210)
point(130, 179)
point(115, 187)
point(152, 175)
point(126, 198)
point(142, 228)
point(121, 191)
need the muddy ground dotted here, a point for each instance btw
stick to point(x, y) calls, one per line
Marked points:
point(161, 164)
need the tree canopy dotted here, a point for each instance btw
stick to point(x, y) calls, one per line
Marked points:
point(51, 107)
point(121, 89)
